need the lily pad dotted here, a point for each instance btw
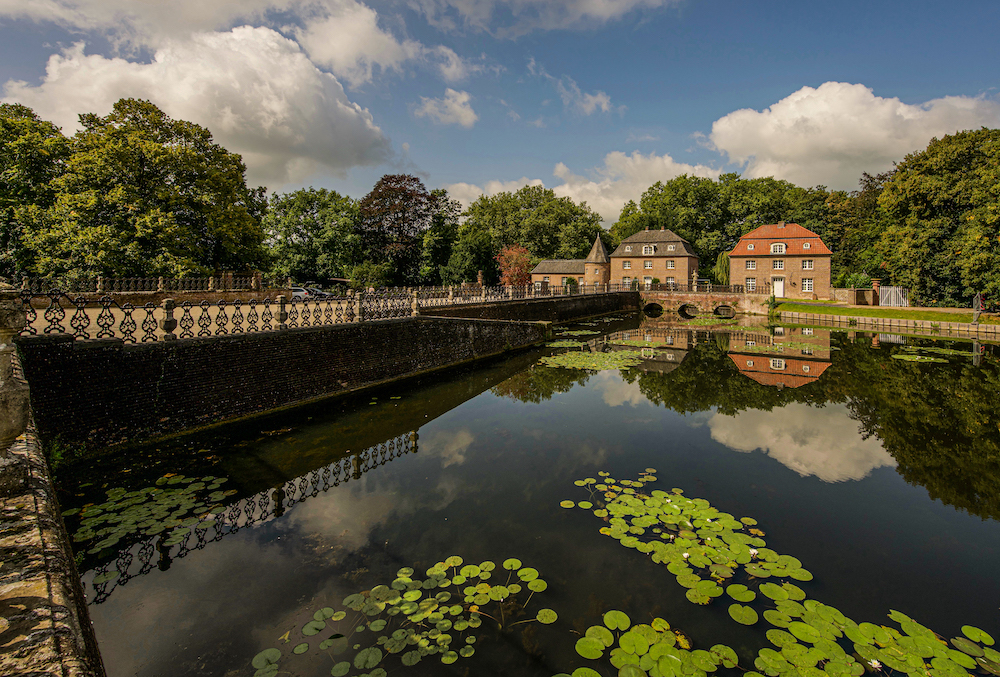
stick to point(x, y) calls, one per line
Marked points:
point(743, 614)
point(775, 592)
point(588, 647)
point(265, 658)
point(977, 635)
point(617, 620)
point(967, 647)
point(740, 593)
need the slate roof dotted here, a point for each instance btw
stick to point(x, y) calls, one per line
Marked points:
point(560, 267)
point(654, 237)
point(792, 234)
point(598, 254)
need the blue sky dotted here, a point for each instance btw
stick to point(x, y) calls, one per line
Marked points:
point(597, 99)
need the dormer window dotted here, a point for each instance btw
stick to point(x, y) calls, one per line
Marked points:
point(628, 247)
point(671, 247)
point(778, 248)
point(777, 363)
point(750, 247)
point(806, 245)
point(647, 250)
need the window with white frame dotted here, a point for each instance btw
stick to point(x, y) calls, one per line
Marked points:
point(648, 265)
point(750, 344)
point(806, 245)
point(627, 265)
point(628, 247)
point(670, 265)
point(538, 285)
point(751, 284)
point(671, 247)
point(805, 367)
point(750, 247)
point(648, 279)
point(807, 331)
point(749, 363)
point(670, 280)
point(777, 363)
point(807, 351)
point(778, 248)
point(626, 281)
point(778, 264)
point(779, 331)
point(751, 265)
point(807, 264)
point(807, 284)
point(545, 279)
point(668, 340)
point(564, 280)
point(647, 249)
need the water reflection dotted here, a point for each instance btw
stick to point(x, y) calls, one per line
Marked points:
point(823, 442)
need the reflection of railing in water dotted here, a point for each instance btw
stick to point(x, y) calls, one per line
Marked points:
point(262, 507)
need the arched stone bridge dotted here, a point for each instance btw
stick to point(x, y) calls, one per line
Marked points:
point(691, 304)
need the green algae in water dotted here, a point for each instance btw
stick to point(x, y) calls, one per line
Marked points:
point(579, 332)
point(909, 357)
point(594, 361)
point(638, 343)
point(405, 619)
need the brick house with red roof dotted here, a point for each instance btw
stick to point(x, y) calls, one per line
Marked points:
point(790, 358)
point(785, 258)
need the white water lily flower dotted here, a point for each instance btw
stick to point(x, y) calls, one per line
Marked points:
point(875, 664)
point(686, 555)
point(753, 552)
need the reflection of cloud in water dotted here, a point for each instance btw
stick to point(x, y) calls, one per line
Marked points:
point(824, 442)
point(449, 445)
point(615, 391)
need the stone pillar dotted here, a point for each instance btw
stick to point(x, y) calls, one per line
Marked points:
point(451, 294)
point(415, 305)
point(876, 283)
point(100, 284)
point(211, 283)
point(282, 315)
point(159, 284)
point(13, 397)
point(256, 284)
point(359, 307)
point(168, 323)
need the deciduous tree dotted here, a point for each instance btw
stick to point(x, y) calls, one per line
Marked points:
point(515, 265)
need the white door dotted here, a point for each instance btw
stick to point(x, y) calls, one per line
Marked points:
point(779, 287)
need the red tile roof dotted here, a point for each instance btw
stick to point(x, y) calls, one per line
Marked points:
point(792, 234)
point(792, 376)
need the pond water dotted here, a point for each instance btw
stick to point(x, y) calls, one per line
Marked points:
point(873, 461)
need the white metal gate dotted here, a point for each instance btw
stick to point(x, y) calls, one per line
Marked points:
point(893, 296)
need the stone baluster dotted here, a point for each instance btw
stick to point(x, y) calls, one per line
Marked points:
point(415, 304)
point(168, 324)
point(281, 317)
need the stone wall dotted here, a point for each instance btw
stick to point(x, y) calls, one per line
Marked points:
point(553, 309)
point(105, 392)
point(707, 302)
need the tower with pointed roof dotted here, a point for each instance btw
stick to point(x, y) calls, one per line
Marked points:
point(597, 265)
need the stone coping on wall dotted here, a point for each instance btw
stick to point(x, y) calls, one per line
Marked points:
point(44, 625)
point(897, 326)
point(141, 298)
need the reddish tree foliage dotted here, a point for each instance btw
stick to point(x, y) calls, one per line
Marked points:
point(392, 219)
point(515, 265)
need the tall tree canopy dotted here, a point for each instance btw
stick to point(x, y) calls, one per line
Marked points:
point(942, 211)
point(33, 152)
point(392, 220)
point(312, 234)
point(142, 194)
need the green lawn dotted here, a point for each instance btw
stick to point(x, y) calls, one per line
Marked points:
point(893, 313)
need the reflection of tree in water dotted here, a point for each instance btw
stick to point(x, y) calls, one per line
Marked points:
point(939, 422)
point(539, 383)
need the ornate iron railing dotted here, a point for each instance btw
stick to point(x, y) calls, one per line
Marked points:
point(140, 557)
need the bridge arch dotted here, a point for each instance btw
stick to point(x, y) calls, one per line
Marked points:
point(653, 309)
point(688, 311)
point(724, 310)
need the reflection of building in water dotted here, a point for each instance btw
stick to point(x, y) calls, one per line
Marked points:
point(789, 358)
point(662, 348)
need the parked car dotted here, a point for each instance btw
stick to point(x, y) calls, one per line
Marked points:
point(300, 294)
point(315, 293)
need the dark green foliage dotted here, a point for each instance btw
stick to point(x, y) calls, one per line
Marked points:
point(312, 234)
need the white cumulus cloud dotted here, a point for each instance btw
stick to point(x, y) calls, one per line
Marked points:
point(832, 133)
point(253, 88)
point(824, 442)
point(453, 109)
point(606, 189)
point(515, 18)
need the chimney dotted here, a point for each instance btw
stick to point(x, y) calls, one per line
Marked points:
point(647, 229)
point(781, 224)
point(662, 228)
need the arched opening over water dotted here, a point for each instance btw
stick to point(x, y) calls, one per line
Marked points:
point(725, 311)
point(653, 310)
point(688, 311)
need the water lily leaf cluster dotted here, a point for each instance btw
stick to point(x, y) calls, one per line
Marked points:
point(638, 343)
point(706, 549)
point(652, 649)
point(933, 350)
point(565, 343)
point(174, 505)
point(414, 618)
point(707, 321)
point(579, 332)
point(910, 357)
point(594, 361)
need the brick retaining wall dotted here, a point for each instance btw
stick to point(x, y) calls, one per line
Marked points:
point(549, 309)
point(103, 392)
